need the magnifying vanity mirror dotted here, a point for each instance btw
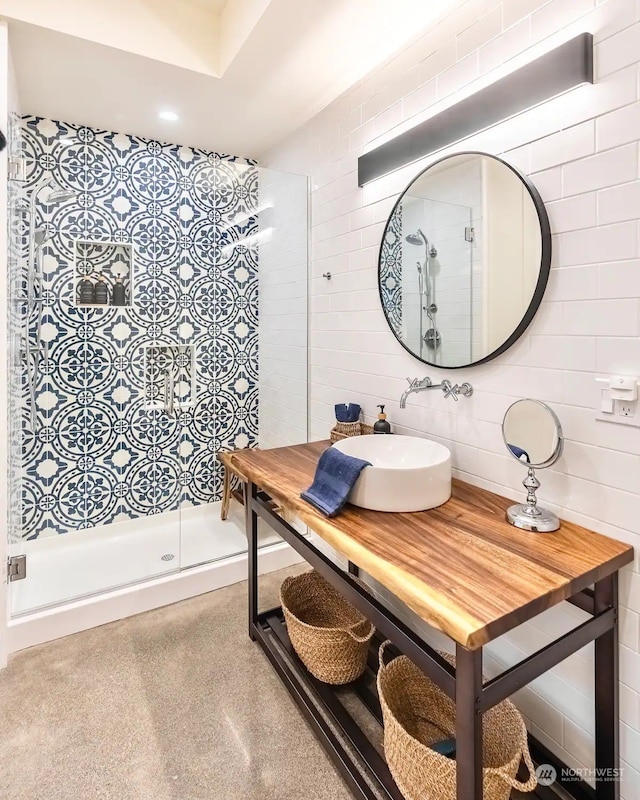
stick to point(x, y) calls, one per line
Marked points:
point(464, 260)
point(533, 435)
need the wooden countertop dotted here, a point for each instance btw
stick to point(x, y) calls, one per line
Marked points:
point(461, 567)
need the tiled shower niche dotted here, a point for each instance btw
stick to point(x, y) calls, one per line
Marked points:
point(169, 378)
point(110, 263)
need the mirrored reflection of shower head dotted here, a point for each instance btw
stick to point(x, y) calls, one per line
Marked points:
point(416, 238)
point(58, 195)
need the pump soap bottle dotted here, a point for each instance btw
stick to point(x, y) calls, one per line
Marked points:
point(382, 426)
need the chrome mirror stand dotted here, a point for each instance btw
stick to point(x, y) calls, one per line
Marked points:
point(530, 516)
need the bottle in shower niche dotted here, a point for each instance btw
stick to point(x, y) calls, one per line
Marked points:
point(102, 292)
point(118, 294)
point(86, 292)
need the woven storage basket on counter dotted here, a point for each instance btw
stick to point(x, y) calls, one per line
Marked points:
point(417, 714)
point(330, 636)
point(343, 430)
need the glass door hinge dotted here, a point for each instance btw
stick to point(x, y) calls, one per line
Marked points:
point(17, 168)
point(16, 568)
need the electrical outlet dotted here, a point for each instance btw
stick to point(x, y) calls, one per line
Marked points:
point(614, 410)
point(626, 408)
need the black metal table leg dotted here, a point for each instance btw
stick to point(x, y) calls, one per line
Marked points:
point(468, 723)
point(606, 695)
point(251, 523)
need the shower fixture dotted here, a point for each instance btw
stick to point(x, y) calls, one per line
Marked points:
point(59, 195)
point(419, 239)
point(35, 281)
point(426, 289)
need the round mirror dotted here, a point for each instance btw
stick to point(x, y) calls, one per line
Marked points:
point(464, 260)
point(532, 433)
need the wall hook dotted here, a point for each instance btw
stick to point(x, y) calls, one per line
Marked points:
point(326, 275)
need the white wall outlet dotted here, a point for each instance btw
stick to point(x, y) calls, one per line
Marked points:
point(610, 409)
point(626, 408)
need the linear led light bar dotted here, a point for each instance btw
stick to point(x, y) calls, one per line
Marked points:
point(556, 72)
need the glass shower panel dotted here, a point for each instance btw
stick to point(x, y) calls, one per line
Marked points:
point(221, 320)
point(101, 479)
point(249, 343)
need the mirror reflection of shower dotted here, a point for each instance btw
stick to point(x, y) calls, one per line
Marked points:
point(431, 338)
point(38, 237)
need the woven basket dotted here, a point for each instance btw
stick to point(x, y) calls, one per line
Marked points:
point(330, 636)
point(417, 714)
point(343, 430)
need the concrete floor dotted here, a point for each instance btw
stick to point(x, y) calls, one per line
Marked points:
point(174, 704)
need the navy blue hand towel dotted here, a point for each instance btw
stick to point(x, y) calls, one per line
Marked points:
point(347, 413)
point(335, 476)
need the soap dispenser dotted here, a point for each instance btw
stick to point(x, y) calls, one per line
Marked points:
point(102, 292)
point(382, 426)
point(86, 292)
point(118, 295)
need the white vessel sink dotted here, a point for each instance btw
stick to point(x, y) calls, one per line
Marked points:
point(406, 473)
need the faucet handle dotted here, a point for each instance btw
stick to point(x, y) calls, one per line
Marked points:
point(412, 382)
point(449, 390)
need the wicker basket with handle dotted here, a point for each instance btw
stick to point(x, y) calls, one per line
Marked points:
point(417, 714)
point(330, 636)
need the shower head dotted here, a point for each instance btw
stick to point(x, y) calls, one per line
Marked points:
point(58, 195)
point(415, 238)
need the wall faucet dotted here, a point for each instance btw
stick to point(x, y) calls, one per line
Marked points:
point(422, 384)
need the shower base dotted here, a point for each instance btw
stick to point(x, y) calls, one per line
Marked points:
point(87, 578)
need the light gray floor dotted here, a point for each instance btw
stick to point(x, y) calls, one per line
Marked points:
point(175, 704)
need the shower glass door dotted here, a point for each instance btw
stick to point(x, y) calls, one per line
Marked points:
point(167, 322)
point(101, 477)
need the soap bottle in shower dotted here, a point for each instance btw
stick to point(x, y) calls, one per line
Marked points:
point(102, 292)
point(86, 292)
point(382, 426)
point(118, 294)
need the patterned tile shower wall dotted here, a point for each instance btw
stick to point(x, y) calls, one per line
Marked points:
point(15, 271)
point(391, 270)
point(99, 452)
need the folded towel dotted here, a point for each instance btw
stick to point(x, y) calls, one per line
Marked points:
point(518, 452)
point(335, 476)
point(347, 413)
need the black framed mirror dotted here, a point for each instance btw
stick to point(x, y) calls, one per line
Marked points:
point(464, 260)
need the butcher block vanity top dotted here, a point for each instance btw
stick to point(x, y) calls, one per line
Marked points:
point(461, 567)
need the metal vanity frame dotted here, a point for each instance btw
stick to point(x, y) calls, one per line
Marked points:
point(327, 715)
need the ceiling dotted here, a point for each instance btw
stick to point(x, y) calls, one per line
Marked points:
point(212, 5)
point(242, 82)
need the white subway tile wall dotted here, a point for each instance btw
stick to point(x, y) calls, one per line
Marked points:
point(581, 151)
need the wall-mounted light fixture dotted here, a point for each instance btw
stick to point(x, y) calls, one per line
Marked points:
point(556, 72)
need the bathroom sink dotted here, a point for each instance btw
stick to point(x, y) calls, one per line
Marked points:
point(406, 473)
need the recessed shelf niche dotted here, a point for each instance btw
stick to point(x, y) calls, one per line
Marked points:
point(170, 377)
point(103, 262)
